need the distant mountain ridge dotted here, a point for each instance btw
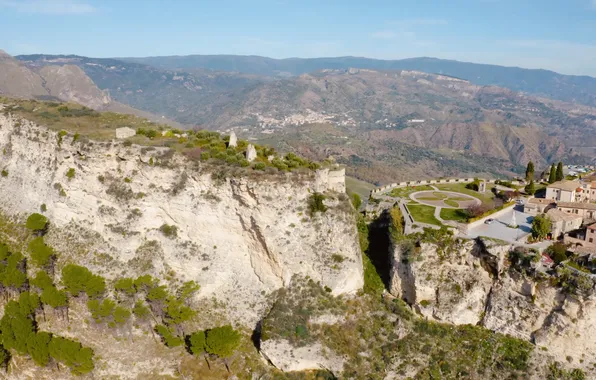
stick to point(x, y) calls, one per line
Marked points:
point(569, 88)
point(386, 125)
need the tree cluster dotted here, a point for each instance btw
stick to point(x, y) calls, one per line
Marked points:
point(556, 173)
point(78, 279)
point(19, 332)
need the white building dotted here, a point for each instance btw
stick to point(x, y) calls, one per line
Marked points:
point(564, 191)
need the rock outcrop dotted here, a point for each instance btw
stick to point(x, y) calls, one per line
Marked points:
point(472, 284)
point(135, 210)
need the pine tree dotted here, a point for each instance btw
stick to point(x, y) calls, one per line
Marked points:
point(530, 171)
point(41, 254)
point(54, 297)
point(222, 341)
point(36, 222)
point(552, 178)
point(197, 342)
point(79, 279)
point(559, 173)
point(72, 354)
point(37, 346)
point(125, 285)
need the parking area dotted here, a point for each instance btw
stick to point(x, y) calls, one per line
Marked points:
point(499, 228)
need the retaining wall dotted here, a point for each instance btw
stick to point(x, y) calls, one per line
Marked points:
point(385, 188)
point(491, 216)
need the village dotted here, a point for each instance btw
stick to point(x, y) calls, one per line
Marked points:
point(543, 216)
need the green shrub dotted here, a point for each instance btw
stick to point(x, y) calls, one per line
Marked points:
point(259, 166)
point(169, 230)
point(356, 201)
point(4, 173)
point(43, 207)
point(70, 173)
point(205, 156)
point(316, 203)
point(168, 336)
point(36, 222)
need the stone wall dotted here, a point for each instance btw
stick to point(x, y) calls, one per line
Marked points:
point(389, 187)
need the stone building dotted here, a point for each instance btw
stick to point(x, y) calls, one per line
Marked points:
point(563, 222)
point(535, 206)
point(563, 191)
point(584, 209)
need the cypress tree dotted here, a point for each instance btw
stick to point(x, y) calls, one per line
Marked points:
point(552, 178)
point(559, 173)
point(530, 188)
point(530, 171)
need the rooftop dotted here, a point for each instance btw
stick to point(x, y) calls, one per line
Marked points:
point(564, 185)
point(559, 216)
point(592, 226)
point(578, 205)
point(540, 201)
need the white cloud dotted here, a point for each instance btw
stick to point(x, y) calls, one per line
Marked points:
point(56, 7)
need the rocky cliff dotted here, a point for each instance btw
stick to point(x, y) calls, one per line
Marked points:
point(130, 210)
point(472, 282)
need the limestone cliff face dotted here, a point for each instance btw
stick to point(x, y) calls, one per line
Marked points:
point(471, 285)
point(239, 238)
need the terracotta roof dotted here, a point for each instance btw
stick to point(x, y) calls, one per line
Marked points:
point(578, 205)
point(557, 215)
point(592, 226)
point(564, 185)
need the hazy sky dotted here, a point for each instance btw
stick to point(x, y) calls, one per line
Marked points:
point(553, 34)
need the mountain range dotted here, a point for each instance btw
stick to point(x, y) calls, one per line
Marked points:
point(386, 124)
point(579, 89)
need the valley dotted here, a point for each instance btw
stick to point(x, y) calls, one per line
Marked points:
point(174, 250)
point(385, 125)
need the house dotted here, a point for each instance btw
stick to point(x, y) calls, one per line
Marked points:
point(584, 209)
point(563, 222)
point(591, 234)
point(565, 191)
point(592, 192)
point(535, 206)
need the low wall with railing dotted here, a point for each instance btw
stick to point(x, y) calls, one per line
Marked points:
point(396, 185)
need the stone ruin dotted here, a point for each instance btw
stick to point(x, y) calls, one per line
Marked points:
point(251, 153)
point(233, 140)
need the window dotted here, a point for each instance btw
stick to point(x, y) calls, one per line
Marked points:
point(591, 240)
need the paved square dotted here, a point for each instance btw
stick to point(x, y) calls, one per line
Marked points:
point(499, 230)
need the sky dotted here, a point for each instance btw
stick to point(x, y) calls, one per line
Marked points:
point(558, 35)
